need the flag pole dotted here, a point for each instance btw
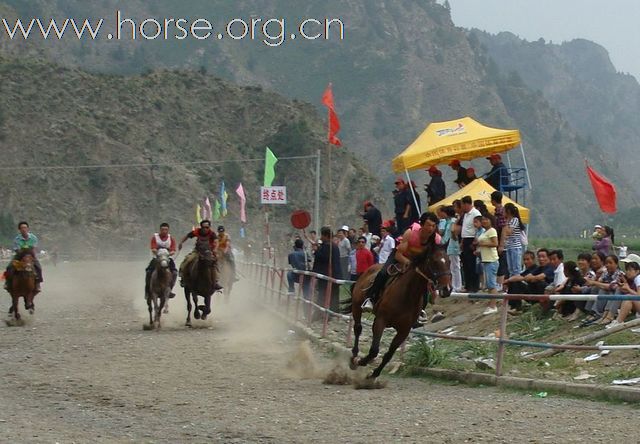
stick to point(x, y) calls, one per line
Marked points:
point(316, 210)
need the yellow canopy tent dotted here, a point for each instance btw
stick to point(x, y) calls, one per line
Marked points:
point(462, 139)
point(479, 189)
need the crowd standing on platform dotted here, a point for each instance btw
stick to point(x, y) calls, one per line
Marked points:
point(488, 251)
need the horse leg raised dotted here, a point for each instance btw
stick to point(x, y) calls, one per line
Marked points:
point(207, 307)
point(187, 296)
point(397, 340)
point(378, 329)
point(357, 331)
point(28, 302)
point(196, 308)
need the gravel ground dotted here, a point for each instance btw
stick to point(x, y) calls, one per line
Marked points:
point(83, 370)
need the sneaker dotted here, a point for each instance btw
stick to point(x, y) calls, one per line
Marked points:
point(439, 316)
point(422, 317)
point(612, 324)
point(490, 310)
point(367, 306)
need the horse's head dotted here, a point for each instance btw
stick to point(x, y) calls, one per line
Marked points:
point(204, 252)
point(24, 263)
point(163, 258)
point(435, 266)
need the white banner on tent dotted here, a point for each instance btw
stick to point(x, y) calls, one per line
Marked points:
point(273, 195)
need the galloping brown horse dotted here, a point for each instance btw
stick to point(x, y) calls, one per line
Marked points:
point(199, 279)
point(23, 284)
point(399, 304)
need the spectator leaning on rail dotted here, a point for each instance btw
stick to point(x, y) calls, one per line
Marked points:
point(499, 174)
point(298, 261)
point(327, 263)
point(461, 173)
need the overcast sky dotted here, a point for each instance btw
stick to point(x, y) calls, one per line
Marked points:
point(614, 24)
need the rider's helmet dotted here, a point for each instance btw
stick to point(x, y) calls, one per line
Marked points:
point(220, 229)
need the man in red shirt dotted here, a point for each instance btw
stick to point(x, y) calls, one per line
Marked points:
point(203, 235)
point(162, 240)
point(364, 257)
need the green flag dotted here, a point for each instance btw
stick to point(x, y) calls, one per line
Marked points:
point(269, 167)
point(216, 211)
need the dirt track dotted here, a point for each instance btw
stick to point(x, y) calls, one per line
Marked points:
point(83, 370)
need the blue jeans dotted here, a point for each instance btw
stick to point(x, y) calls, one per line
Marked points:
point(490, 275)
point(514, 261)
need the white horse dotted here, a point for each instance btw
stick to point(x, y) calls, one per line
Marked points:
point(159, 287)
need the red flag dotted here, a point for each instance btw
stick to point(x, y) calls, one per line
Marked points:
point(334, 123)
point(605, 191)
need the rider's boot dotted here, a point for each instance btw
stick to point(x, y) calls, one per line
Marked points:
point(38, 288)
point(374, 290)
point(174, 278)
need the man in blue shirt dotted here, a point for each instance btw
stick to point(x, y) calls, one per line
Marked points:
point(24, 243)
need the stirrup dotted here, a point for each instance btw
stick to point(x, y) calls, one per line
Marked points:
point(422, 317)
point(367, 305)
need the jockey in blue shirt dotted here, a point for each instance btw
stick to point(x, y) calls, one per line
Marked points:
point(24, 243)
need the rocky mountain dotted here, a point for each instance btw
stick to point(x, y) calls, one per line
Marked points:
point(401, 65)
point(579, 80)
point(194, 128)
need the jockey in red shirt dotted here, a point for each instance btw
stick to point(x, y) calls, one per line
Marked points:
point(162, 240)
point(204, 234)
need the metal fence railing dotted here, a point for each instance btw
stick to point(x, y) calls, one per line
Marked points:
point(272, 281)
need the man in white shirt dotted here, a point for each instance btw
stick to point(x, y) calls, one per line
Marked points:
point(555, 258)
point(387, 244)
point(345, 248)
point(467, 234)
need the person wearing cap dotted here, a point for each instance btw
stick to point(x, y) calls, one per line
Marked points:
point(414, 203)
point(372, 217)
point(224, 247)
point(471, 175)
point(499, 175)
point(461, 171)
point(344, 247)
point(435, 189)
point(631, 286)
point(402, 204)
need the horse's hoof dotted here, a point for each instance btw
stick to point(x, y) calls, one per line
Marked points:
point(31, 311)
point(204, 316)
point(187, 324)
point(196, 314)
point(353, 364)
